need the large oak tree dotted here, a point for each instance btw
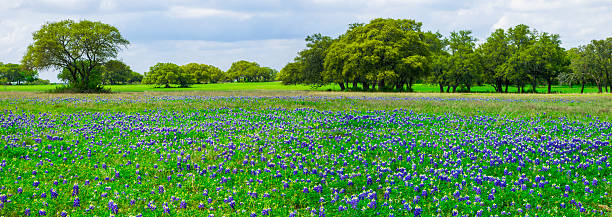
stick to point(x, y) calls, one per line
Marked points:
point(79, 48)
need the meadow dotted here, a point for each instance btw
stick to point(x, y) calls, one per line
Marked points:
point(419, 88)
point(270, 152)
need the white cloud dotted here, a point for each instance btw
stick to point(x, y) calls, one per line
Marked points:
point(195, 13)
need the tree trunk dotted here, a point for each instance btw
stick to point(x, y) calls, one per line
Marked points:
point(507, 86)
point(469, 89)
point(381, 84)
point(608, 84)
point(354, 84)
point(341, 86)
point(582, 89)
point(441, 88)
point(499, 86)
point(366, 86)
point(454, 88)
point(599, 88)
point(399, 86)
point(410, 84)
point(549, 85)
point(448, 88)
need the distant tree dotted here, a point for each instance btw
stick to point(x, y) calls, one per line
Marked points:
point(580, 67)
point(197, 71)
point(39, 81)
point(549, 59)
point(378, 52)
point(334, 67)
point(135, 78)
point(494, 53)
point(245, 71)
point(116, 72)
point(166, 74)
point(439, 70)
point(16, 73)
point(215, 74)
point(517, 66)
point(79, 48)
point(312, 59)
point(601, 56)
point(438, 47)
point(464, 62)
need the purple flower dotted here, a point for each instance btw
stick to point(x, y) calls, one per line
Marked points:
point(417, 211)
point(75, 190)
point(53, 193)
point(113, 207)
point(42, 212)
point(166, 208)
point(183, 204)
point(76, 202)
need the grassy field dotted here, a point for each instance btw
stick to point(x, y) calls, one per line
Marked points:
point(422, 88)
point(270, 152)
point(511, 105)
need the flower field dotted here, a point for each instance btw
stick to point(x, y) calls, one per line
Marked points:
point(217, 156)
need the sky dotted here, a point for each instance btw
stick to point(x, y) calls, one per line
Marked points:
point(271, 32)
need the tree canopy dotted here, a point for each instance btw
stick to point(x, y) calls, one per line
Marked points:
point(117, 72)
point(165, 74)
point(393, 54)
point(245, 71)
point(78, 48)
point(203, 73)
point(11, 73)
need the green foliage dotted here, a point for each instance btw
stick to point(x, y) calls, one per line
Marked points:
point(116, 72)
point(135, 78)
point(245, 71)
point(80, 48)
point(291, 73)
point(494, 53)
point(203, 73)
point(16, 74)
point(368, 52)
point(464, 64)
point(312, 59)
point(70, 76)
point(590, 63)
point(165, 74)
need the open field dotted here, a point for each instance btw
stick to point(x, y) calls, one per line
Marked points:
point(419, 88)
point(305, 153)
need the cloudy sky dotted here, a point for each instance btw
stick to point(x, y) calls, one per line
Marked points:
point(270, 32)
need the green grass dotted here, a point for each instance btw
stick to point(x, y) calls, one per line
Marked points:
point(420, 88)
point(512, 105)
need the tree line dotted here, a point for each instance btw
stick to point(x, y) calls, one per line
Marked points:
point(17, 74)
point(384, 54)
point(393, 54)
point(167, 74)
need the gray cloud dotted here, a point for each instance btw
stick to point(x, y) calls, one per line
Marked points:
point(270, 32)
